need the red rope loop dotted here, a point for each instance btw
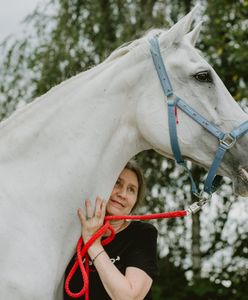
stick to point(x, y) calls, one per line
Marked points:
point(82, 251)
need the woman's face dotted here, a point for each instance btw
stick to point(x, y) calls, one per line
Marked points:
point(124, 194)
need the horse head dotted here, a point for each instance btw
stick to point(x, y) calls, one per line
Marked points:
point(195, 81)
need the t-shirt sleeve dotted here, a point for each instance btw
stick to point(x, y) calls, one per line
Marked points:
point(143, 253)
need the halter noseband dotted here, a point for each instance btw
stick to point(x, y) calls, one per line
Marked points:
point(227, 140)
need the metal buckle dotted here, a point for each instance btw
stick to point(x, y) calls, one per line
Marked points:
point(228, 140)
point(196, 206)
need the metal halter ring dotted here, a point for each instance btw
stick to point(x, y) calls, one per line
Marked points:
point(228, 140)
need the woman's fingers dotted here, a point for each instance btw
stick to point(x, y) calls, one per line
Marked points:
point(81, 216)
point(103, 210)
point(98, 210)
point(92, 222)
point(89, 212)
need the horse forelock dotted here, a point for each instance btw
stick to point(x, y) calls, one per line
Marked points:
point(168, 37)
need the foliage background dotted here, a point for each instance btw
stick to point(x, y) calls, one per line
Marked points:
point(203, 257)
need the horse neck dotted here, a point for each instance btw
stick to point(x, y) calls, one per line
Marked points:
point(73, 141)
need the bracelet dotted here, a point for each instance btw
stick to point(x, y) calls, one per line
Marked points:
point(97, 256)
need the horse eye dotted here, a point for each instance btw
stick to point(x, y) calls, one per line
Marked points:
point(203, 76)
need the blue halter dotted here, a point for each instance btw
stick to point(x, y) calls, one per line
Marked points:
point(227, 140)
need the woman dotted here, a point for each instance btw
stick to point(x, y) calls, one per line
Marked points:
point(125, 268)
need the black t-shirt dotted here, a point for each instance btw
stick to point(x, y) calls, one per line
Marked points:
point(134, 246)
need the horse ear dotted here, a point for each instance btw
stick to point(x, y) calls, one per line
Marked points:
point(176, 33)
point(193, 35)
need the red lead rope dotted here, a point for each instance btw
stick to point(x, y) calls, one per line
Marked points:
point(82, 251)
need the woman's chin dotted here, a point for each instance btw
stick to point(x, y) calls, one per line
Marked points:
point(113, 208)
point(113, 211)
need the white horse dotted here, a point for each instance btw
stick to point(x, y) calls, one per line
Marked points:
point(72, 143)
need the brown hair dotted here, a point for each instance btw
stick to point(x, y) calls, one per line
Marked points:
point(133, 166)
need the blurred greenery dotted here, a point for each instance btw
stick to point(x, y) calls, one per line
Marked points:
point(67, 37)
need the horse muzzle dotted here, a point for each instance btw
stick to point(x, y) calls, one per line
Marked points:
point(240, 181)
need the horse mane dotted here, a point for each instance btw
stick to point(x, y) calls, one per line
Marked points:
point(118, 53)
point(123, 50)
point(129, 46)
point(113, 57)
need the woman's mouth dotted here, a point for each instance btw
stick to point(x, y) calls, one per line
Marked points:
point(116, 203)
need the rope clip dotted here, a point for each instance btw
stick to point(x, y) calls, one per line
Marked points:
point(196, 206)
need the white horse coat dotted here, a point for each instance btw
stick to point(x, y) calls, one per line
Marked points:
point(72, 143)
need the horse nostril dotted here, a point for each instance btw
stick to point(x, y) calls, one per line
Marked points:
point(243, 173)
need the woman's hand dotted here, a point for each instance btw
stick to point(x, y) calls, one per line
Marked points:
point(93, 221)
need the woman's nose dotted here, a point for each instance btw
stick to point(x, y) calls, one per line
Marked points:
point(122, 192)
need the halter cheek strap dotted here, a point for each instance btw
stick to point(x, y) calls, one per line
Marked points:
point(226, 140)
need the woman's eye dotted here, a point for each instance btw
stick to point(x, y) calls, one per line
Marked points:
point(117, 183)
point(131, 190)
point(203, 76)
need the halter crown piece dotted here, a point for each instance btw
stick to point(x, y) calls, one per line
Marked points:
point(226, 140)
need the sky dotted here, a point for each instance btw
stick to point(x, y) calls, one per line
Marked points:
point(12, 13)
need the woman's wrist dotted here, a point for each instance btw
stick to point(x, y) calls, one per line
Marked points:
point(94, 250)
point(98, 254)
